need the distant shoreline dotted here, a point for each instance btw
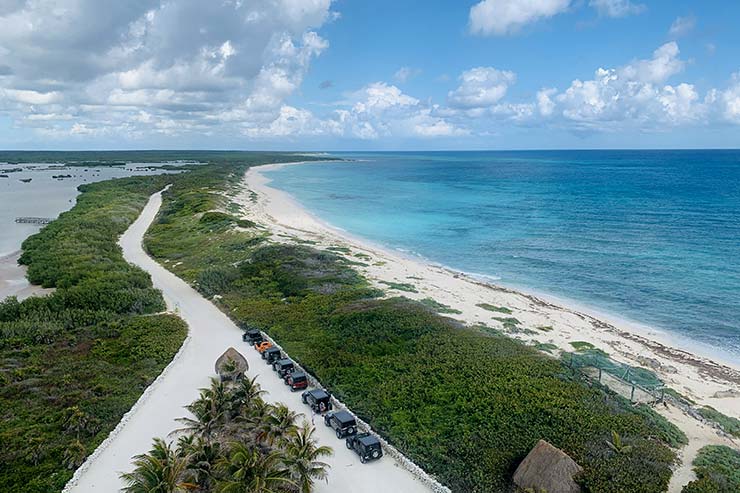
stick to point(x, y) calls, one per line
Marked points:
point(682, 368)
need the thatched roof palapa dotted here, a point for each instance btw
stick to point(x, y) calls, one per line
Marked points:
point(549, 469)
point(240, 365)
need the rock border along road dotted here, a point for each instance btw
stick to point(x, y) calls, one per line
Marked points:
point(211, 332)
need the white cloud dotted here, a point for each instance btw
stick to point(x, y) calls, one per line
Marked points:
point(480, 87)
point(185, 62)
point(728, 101)
point(634, 94)
point(501, 17)
point(404, 74)
point(617, 8)
point(682, 26)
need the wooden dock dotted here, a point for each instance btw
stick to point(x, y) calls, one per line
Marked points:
point(33, 220)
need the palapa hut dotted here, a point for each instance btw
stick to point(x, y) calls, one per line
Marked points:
point(549, 469)
point(231, 365)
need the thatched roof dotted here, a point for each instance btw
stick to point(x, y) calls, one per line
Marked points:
point(240, 362)
point(547, 468)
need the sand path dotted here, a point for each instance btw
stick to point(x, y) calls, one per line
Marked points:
point(210, 333)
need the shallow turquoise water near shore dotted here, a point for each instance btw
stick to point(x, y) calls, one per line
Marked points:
point(653, 236)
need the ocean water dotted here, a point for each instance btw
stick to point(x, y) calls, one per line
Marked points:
point(651, 236)
point(45, 196)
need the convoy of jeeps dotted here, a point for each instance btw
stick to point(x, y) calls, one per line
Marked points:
point(342, 422)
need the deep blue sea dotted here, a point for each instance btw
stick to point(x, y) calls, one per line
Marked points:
point(650, 236)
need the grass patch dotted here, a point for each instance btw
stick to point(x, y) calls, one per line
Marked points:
point(729, 424)
point(582, 346)
point(339, 249)
point(494, 308)
point(546, 347)
point(545, 328)
point(400, 286)
point(437, 306)
point(509, 323)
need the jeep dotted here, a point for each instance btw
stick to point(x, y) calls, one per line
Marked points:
point(296, 380)
point(283, 367)
point(263, 346)
point(252, 337)
point(271, 355)
point(342, 422)
point(366, 446)
point(319, 400)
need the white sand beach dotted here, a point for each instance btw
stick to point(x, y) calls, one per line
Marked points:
point(211, 332)
point(13, 280)
point(705, 381)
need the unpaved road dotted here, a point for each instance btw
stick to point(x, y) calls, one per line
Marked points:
point(210, 334)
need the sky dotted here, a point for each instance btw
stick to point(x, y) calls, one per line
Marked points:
point(369, 75)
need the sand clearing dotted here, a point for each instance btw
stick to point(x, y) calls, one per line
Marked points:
point(210, 333)
point(703, 380)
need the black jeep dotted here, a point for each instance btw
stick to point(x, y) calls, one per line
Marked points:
point(319, 400)
point(283, 367)
point(296, 380)
point(366, 446)
point(343, 422)
point(252, 337)
point(271, 355)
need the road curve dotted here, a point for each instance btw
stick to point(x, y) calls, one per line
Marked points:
point(210, 333)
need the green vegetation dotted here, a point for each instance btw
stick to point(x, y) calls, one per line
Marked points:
point(727, 423)
point(437, 306)
point(400, 286)
point(465, 404)
point(717, 469)
point(509, 323)
point(545, 328)
point(582, 346)
point(494, 308)
point(546, 346)
point(74, 362)
point(235, 441)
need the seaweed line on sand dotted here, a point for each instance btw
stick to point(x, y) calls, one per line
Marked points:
point(705, 366)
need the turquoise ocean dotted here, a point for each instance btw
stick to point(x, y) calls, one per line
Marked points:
point(651, 237)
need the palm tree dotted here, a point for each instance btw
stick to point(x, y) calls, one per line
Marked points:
point(277, 425)
point(617, 445)
point(200, 456)
point(159, 471)
point(302, 456)
point(246, 394)
point(247, 470)
point(211, 411)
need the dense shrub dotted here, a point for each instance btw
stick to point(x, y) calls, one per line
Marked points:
point(717, 469)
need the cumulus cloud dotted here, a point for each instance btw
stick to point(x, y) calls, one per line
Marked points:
point(383, 110)
point(635, 93)
point(502, 17)
point(617, 8)
point(480, 87)
point(187, 64)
